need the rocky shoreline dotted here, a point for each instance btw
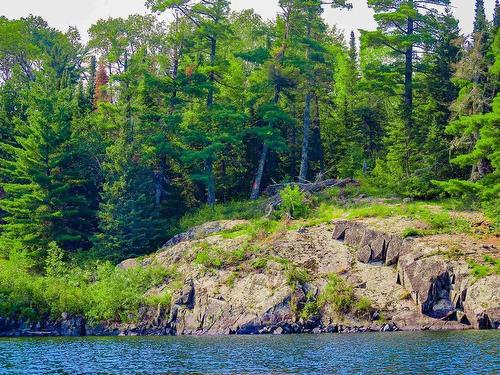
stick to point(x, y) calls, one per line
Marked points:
point(440, 293)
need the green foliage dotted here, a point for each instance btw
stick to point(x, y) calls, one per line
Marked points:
point(411, 232)
point(229, 211)
point(489, 266)
point(106, 159)
point(212, 257)
point(364, 308)
point(99, 291)
point(296, 276)
point(46, 192)
point(338, 293)
point(310, 308)
point(259, 263)
point(293, 202)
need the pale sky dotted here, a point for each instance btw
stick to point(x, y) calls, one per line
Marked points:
point(83, 13)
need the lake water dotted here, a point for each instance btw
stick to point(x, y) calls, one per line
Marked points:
point(472, 352)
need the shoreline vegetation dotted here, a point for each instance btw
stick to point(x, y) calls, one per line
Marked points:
point(220, 173)
point(102, 299)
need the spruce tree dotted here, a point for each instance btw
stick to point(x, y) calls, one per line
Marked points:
point(480, 22)
point(496, 16)
point(45, 197)
point(483, 154)
point(131, 220)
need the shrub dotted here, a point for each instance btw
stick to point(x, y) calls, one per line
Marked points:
point(364, 308)
point(293, 202)
point(338, 293)
point(100, 291)
point(208, 259)
point(296, 276)
point(310, 309)
point(163, 299)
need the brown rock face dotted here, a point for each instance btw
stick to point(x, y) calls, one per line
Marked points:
point(373, 246)
point(428, 279)
point(441, 288)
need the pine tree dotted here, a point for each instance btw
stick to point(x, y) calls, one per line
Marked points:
point(496, 16)
point(130, 215)
point(91, 83)
point(312, 11)
point(484, 129)
point(45, 197)
point(403, 26)
point(211, 22)
point(480, 22)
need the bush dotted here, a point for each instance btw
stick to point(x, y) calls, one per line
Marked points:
point(338, 293)
point(99, 291)
point(364, 308)
point(293, 202)
point(296, 276)
point(310, 309)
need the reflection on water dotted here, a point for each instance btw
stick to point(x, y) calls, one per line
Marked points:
point(390, 353)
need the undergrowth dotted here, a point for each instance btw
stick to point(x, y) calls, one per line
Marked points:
point(99, 291)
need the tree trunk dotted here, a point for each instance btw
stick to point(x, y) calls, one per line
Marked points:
point(260, 171)
point(277, 91)
point(408, 106)
point(210, 101)
point(304, 161)
point(317, 135)
point(213, 48)
point(210, 182)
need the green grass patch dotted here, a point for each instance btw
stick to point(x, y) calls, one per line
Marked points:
point(489, 267)
point(244, 210)
point(411, 232)
point(363, 308)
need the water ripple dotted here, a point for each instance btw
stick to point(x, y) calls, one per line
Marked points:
point(392, 353)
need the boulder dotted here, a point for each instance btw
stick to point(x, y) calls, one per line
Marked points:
point(414, 321)
point(482, 303)
point(428, 280)
point(396, 247)
point(204, 230)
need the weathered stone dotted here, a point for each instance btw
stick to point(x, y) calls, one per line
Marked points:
point(364, 254)
point(482, 303)
point(354, 234)
point(396, 247)
point(204, 230)
point(278, 331)
point(428, 279)
point(339, 230)
point(378, 247)
point(413, 321)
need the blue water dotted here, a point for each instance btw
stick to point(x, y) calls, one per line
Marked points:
point(472, 352)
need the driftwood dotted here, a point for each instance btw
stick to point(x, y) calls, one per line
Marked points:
point(307, 188)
